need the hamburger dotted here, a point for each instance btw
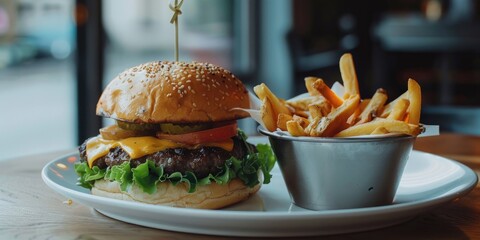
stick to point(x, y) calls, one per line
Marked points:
point(175, 140)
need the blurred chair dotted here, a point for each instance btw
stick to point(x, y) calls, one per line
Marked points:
point(306, 63)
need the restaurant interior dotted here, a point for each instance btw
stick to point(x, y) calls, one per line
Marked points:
point(56, 56)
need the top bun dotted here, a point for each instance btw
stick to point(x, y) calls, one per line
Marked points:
point(174, 92)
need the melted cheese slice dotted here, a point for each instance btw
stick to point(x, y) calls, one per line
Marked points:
point(137, 147)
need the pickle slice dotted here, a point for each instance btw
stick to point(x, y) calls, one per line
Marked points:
point(171, 128)
point(138, 126)
point(114, 132)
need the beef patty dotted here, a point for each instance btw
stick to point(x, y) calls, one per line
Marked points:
point(201, 161)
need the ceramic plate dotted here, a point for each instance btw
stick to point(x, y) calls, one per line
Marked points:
point(428, 182)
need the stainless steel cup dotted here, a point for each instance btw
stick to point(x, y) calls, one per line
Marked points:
point(341, 173)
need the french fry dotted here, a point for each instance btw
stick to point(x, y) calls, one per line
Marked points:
point(331, 96)
point(415, 98)
point(304, 122)
point(373, 106)
point(302, 104)
point(325, 114)
point(335, 121)
point(399, 110)
point(387, 109)
point(282, 121)
point(363, 104)
point(309, 85)
point(311, 127)
point(269, 117)
point(301, 113)
point(392, 126)
point(319, 109)
point(379, 131)
point(295, 129)
point(349, 76)
point(278, 106)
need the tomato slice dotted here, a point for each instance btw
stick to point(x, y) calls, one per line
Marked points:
point(209, 135)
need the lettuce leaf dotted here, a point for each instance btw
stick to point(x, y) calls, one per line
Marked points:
point(121, 173)
point(147, 175)
point(87, 175)
point(267, 160)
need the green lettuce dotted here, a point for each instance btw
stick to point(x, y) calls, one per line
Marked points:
point(87, 175)
point(147, 175)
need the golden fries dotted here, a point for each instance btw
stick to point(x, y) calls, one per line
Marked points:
point(263, 92)
point(373, 106)
point(335, 121)
point(363, 104)
point(349, 76)
point(301, 120)
point(392, 126)
point(303, 103)
point(309, 85)
point(325, 114)
point(319, 109)
point(379, 131)
point(399, 110)
point(415, 98)
point(326, 92)
point(389, 107)
point(268, 115)
point(282, 121)
point(295, 129)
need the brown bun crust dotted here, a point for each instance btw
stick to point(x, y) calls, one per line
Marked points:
point(212, 196)
point(174, 92)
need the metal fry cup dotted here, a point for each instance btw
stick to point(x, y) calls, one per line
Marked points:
point(341, 173)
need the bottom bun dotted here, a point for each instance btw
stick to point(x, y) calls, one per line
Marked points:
point(210, 196)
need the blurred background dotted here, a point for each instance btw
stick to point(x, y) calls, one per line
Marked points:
point(57, 55)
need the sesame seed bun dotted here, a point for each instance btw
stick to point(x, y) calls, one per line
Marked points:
point(174, 92)
point(212, 196)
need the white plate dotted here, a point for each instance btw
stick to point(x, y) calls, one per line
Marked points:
point(428, 182)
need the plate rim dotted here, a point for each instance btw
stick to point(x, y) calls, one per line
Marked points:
point(421, 205)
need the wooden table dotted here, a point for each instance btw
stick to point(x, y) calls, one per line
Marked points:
point(30, 210)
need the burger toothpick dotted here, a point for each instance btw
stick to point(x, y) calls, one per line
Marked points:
point(175, 7)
